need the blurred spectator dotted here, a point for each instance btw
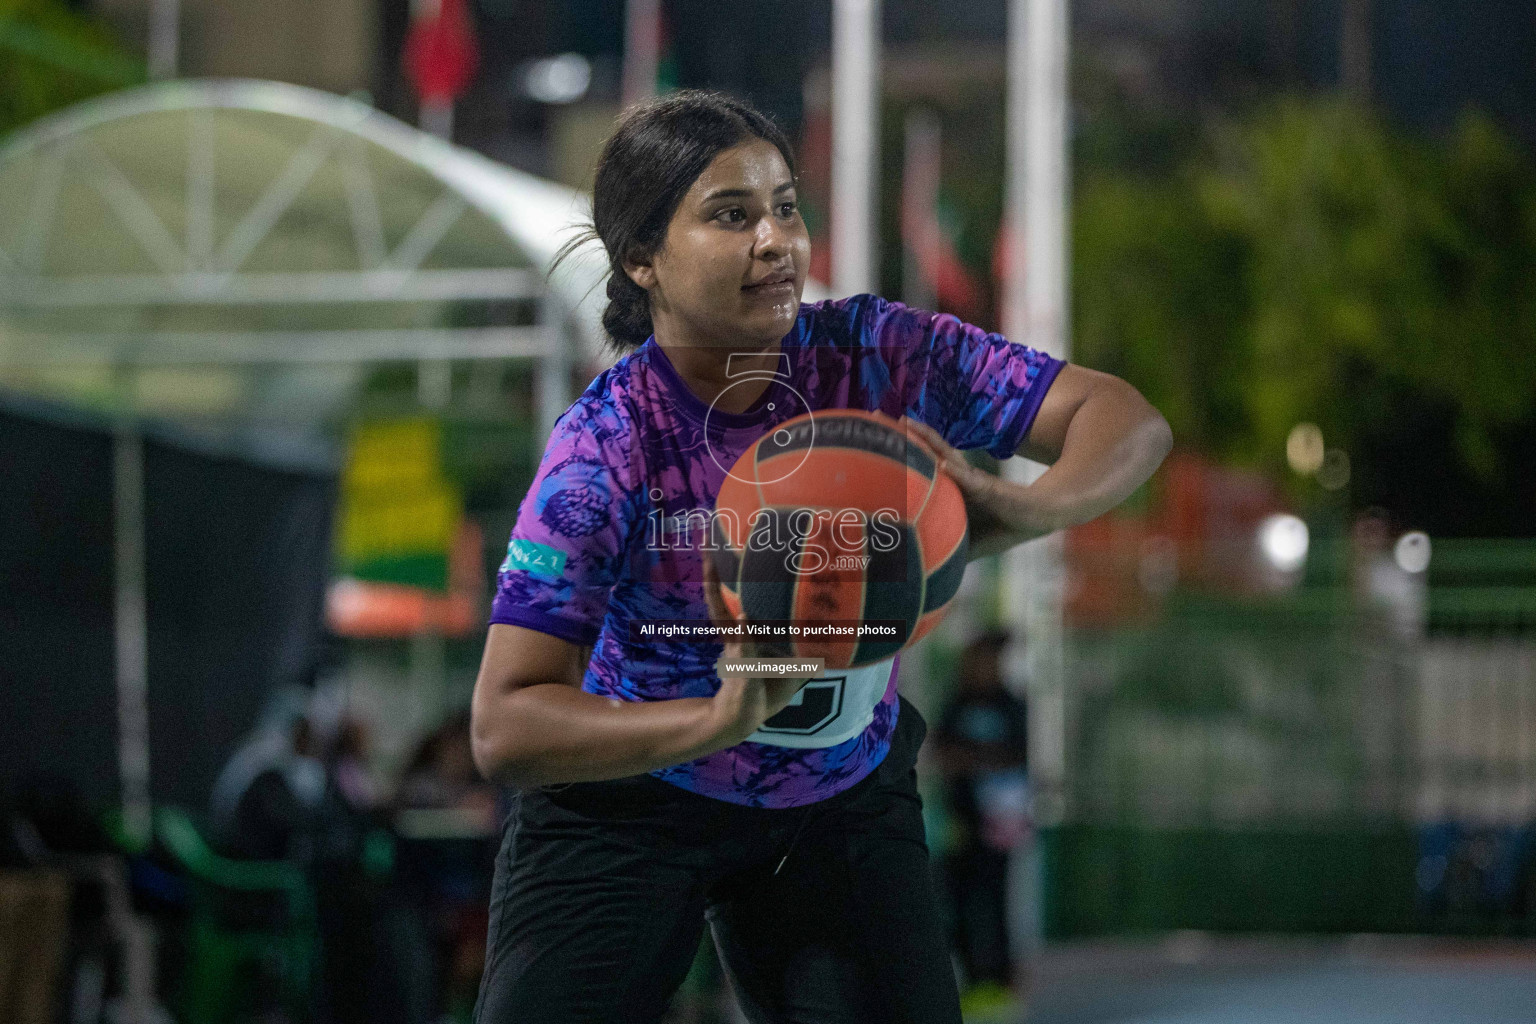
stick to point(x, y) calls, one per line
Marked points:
point(980, 750)
point(442, 774)
point(298, 789)
point(266, 800)
point(63, 901)
point(347, 746)
point(351, 754)
point(1384, 581)
point(448, 819)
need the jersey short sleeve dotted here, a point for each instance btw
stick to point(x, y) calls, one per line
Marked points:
point(975, 387)
point(571, 538)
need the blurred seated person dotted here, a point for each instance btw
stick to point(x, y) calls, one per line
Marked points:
point(295, 790)
point(267, 798)
point(346, 744)
point(351, 755)
point(980, 748)
point(448, 824)
point(442, 774)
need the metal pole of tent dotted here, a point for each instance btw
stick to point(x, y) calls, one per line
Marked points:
point(130, 616)
point(553, 386)
point(434, 375)
point(1035, 304)
point(428, 658)
point(164, 38)
point(855, 127)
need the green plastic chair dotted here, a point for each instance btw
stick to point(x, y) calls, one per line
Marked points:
point(219, 953)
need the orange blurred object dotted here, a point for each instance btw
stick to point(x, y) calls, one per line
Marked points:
point(1199, 531)
point(356, 608)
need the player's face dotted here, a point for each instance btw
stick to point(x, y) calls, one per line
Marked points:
point(732, 268)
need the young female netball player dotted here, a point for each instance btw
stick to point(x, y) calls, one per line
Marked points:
point(655, 795)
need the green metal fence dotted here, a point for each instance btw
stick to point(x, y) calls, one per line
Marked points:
point(1328, 760)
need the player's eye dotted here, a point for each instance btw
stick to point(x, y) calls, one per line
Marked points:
point(733, 215)
point(788, 208)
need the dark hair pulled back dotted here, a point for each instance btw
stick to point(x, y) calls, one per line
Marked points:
point(654, 156)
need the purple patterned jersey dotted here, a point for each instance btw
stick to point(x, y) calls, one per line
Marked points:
point(639, 456)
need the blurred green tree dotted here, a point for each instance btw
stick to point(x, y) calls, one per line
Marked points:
point(51, 57)
point(1311, 264)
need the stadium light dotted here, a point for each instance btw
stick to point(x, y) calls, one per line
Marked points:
point(558, 80)
point(1412, 551)
point(1283, 539)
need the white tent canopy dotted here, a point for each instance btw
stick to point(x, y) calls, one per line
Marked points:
point(235, 222)
point(219, 223)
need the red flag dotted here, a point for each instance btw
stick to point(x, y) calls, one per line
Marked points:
point(940, 264)
point(944, 278)
point(440, 52)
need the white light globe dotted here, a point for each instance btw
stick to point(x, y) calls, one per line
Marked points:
point(562, 79)
point(1304, 448)
point(1283, 539)
point(1412, 551)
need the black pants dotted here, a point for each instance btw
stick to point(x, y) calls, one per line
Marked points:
point(602, 891)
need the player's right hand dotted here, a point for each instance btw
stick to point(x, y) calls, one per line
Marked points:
point(743, 702)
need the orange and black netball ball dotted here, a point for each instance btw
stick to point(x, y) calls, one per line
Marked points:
point(835, 520)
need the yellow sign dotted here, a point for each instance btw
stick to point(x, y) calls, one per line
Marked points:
point(398, 513)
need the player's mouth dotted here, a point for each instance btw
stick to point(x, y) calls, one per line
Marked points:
point(782, 283)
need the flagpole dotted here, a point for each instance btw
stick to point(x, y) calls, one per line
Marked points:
point(855, 121)
point(642, 49)
point(437, 118)
point(1035, 304)
point(919, 209)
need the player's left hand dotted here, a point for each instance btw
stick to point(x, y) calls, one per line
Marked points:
point(974, 482)
point(996, 510)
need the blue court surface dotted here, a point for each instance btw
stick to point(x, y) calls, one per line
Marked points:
point(1194, 978)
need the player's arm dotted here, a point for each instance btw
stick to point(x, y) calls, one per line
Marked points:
point(532, 724)
point(966, 388)
point(1102, 440)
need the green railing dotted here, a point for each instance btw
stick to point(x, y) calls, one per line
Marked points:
point(1309, 762)
point(227, 953)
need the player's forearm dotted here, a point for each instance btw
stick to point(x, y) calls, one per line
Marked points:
point(1115, 442)
point(551, 733)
